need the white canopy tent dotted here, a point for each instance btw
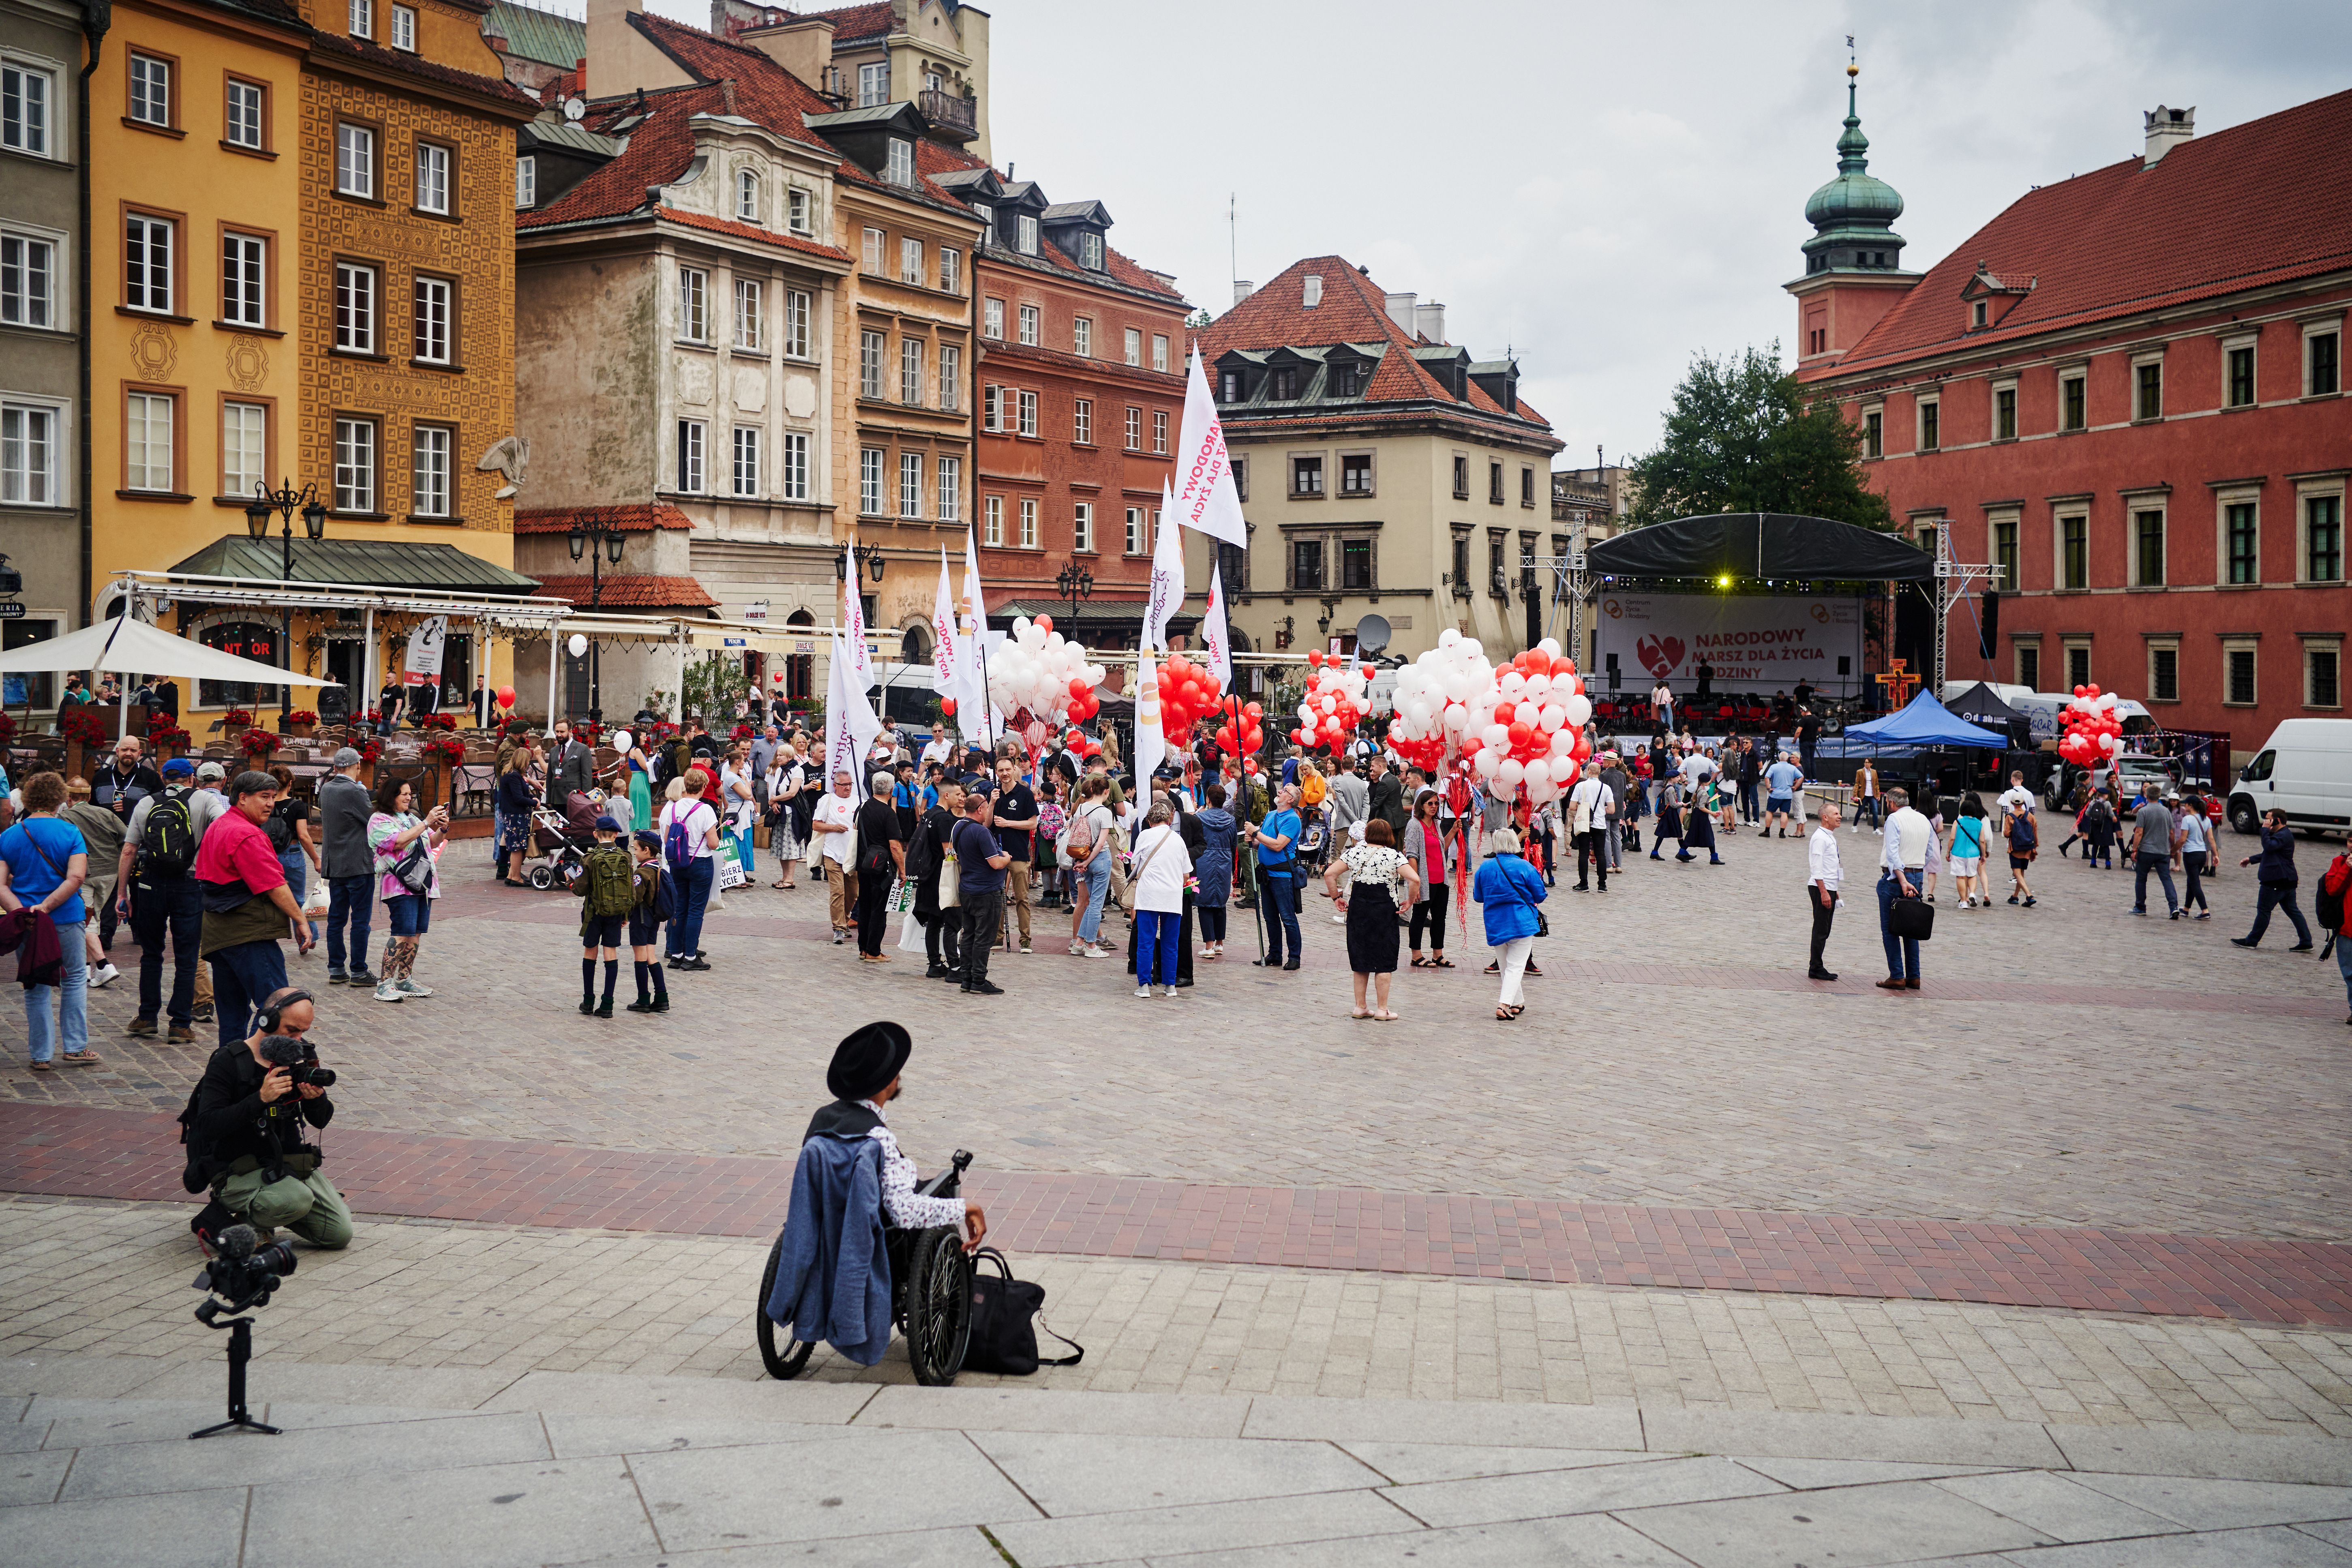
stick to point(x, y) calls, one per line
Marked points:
point(128, 646)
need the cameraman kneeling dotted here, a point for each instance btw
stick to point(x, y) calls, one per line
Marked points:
point(252, 1107)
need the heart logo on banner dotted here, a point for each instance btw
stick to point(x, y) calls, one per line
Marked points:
point(1661, 657)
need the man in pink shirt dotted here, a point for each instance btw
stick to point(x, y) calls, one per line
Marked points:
point(247, 905)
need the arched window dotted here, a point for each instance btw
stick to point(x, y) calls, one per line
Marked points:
point(747, 195)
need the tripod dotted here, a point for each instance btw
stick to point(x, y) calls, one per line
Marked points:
point(240, 1353)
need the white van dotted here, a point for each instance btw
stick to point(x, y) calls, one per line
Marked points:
point(2304, 769)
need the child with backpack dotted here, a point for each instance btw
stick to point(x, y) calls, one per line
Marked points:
point(605, 884)
point(652, 902)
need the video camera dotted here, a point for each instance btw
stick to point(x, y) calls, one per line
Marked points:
point(300, 1060)
point(243, 1275)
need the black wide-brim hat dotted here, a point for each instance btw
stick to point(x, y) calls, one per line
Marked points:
point(865, 1063)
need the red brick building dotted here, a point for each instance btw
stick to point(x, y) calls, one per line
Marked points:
point(2128, 390)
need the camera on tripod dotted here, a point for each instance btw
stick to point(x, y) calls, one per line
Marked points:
point(301, 1061)
point(245, 1275)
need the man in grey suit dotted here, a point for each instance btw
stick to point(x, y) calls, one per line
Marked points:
point(571, 766)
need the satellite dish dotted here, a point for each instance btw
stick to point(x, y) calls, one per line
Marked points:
point(575, 110)
point(1372, 634)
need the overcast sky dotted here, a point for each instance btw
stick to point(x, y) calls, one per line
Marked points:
point(1604, 190)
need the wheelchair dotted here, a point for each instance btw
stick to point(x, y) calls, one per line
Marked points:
point(930, 1293)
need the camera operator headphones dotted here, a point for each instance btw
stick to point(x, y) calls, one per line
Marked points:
point(267, 1018)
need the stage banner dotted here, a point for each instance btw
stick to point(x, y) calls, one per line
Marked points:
point(1753, 643)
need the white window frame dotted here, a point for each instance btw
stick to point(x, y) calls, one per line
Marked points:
point(146, 285)
point(693, 305)
point(800, 210)
point(2332, 327)
point(950, 269)
point(1082, 528)
point(1134, 428)
point(1032, 325)
point(2304, 494)
point(1082, 336)
point(526, 181)
point(2222, 501)
point(951, 377)
point(358, 464)
point(432, 319)
point(991, 521)
point(2332, 645)
point(992, 408)
point(992, 320)
point(1082, 421)
point(910, 371)
point(362, 17)
point(747, 195)
point(947, 475)
point(1160, 431)
point(1025, 404)
point(1090, 250)
point(234, 480)
point(745, 453)
point(142, 413)
point(404, 29)
point(2134, 508)
point(355, 153)
point(693, 454)
point(432, 471)
point(2140, 361)
point(2250, 343)
point(32, 260)
point(898, 163)
point(869, 481)
point(359, 307)
point(873, 83)
point(875, 242)
point(150, 75)
point(2076, 371)
point(910, 484)
point(1920, 421)
point(750, 316)
point(2155, 646)
point(2067, 649)
point(1135, 531)
point(2058, 522)
point(911, 259)
point(792, 466)
point(2019, 647)
point(236, 98)
point(1134, 343)
point(1159, 352)
point(871, 346)
point(1028, 523)
point(34, 131)
point(2252, 648)
point(1025, 229)
point(433, 165)
point(33, 468)
point(797, 311)
point(2007, 383)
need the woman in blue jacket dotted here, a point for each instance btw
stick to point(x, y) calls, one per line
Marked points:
point(2278, 880)
point(1507, 890)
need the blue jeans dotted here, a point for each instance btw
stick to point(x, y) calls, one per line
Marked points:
point(1156, 934)
point(297, 866)
point(2343, 963)
point(1901, 955)
point(350, 900)
point(1095, 874)
point(172, 907)
point(693, 893)
point(73, 1009)
point(1865, 809)
point(2274, 895)
point(1274, 883)
point(743, 851)
point(2161, 865)
point(243, 976)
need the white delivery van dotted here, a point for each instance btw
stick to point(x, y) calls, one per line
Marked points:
point(2304, 769)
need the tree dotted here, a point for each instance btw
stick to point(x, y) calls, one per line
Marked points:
point(1743, 435)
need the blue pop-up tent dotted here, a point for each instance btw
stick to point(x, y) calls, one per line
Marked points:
point(1926, 722)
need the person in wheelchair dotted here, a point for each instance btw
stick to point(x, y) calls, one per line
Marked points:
point(863, 1244)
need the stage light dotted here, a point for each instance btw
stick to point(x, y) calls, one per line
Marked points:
point(1723, 582)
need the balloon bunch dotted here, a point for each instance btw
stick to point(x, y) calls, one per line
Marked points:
point(1242, 731)
point(1434, 695)
point(1187, 694)
point(2093, 733)
point(1037, 673)
point(1534, 733)
point(1081, 743)
point(1335, 701)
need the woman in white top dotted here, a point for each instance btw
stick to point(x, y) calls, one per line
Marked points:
point(1161, 866)
point(785, 779)
point(692, 814)
point(1381, 881)
point(742, 804)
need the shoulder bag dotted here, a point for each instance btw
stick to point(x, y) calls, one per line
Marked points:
point(1004, 1339)
point(1135, 878)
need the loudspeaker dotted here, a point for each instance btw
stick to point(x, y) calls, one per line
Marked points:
point(335, 705)
point(1989, 630)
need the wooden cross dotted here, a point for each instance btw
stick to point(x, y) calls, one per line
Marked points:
point(1898, 682)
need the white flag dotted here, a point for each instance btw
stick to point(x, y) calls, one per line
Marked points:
point(853, 620)
point(971, 694)
point(1216, 638)
point(1150, 741)
point(1205, 496)
point(947, 640)
point(850, 725)
point(1167, 595)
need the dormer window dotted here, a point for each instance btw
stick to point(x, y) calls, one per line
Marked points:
point(985, 214)
point(1027, 235)
point(1230, 386)
point(1312, 294)
point(1091, 252)
point(1286, 384)
point(1977, 314)
point(899, 168)
point(1344, 380)
point(746, 197)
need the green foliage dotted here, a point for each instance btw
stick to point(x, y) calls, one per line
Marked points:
point(713, 681)
point(1742, 435)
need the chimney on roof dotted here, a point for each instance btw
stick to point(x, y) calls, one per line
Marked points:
point(2166, 129)
point(1242, 289)
point(1400, 309)
point(1430, 321)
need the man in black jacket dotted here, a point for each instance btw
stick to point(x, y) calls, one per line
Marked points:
point(571, 767)
point(1385, 800)
point(248, 1133)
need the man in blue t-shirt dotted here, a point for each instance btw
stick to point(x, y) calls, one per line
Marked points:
point(43, 863)
point(1780, 782)
point(1276, 841)
point(980, 863)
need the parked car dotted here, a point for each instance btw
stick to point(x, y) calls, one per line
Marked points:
point(2305, 769)
point(2133, 771)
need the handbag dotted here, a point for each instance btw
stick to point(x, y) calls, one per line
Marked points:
point(1912, 919)
point(1003, 1339)
point(414, 869)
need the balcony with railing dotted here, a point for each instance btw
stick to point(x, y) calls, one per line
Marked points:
point(951, 113)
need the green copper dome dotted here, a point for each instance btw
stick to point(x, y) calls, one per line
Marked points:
point(1853, 214)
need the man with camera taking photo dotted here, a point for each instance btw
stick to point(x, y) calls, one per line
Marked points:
point(247, 1130)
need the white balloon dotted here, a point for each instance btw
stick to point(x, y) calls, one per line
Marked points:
point(1552, 716)
point(1487, 763)
point(622, 741)
point(1548, 648)
point(577, 645)
point(1511, 772)
point(1448, 638)
point(1562, 742)
point(1512, 687)
point(1578, 709)
point(1496, 736)
point(1418, 712)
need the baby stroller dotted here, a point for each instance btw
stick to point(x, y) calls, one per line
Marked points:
point(560, 841)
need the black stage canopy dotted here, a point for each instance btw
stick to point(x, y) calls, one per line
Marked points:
point(1980, 705)
point(1769, 544)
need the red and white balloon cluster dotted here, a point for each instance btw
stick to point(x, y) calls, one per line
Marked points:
point(1335, 701)
point(1187, 694)
point(2093, 733)
point(1434, 700)
point(1534, 733)
point(1037, 672)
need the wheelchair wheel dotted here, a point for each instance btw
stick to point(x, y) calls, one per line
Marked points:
point(938, 1305)
point(795, 1354)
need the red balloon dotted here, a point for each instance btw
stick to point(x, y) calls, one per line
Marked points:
point(1521, 734)
point(1315, 657)
point(948, 706)
point(505, 695)
point(1045, 623)
point(1506, 711)
point(1254, 710)
point(1078, 688)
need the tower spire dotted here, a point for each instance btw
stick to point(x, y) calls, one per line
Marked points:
point(1853, 214)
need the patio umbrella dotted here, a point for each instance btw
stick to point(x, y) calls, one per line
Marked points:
point(126, 647)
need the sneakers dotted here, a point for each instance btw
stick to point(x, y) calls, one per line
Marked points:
point(389, 991)
point(1077, 949)
point(1100, 951)
point(1143, 993)
point(2241, 941)
point(984, 988)
point(936, 972)
point(361, 977)
point(202, 1013)
point(2173, 916)
point(338, 977)
point(140, 1029)
point(410, 988)
point(104, 975)
point(1024, 950)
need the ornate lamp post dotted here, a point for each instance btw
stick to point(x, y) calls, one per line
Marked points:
point(598, 541)
point(285, 500)
point(1076, 584)
point(859, 558)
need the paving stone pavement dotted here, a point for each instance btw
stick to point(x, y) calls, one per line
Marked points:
point(492, 1468)
point(2188, 1088)
point(91, 1278)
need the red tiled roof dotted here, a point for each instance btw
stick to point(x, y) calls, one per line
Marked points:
point(851, 22)
point(752, 231)
point(2261, 203)
point(401, 60)
point(658, 151)
point(629, 590)
point(641, 518)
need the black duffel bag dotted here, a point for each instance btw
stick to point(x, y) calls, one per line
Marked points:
point(1003, 1339)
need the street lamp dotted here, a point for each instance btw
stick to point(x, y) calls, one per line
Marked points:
point(285, 500)
point(599, 541)
point(1075, 583)
point(861, 558)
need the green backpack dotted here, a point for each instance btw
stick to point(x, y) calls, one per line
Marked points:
point(612, 882)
